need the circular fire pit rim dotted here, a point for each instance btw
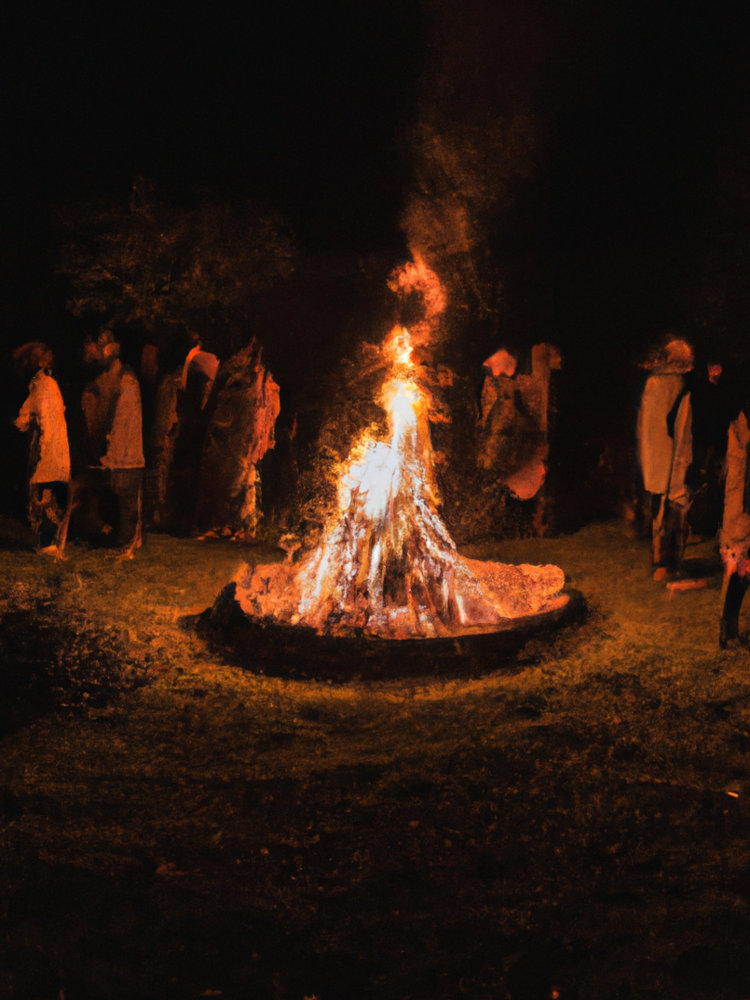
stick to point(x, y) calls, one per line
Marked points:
point(269, 647)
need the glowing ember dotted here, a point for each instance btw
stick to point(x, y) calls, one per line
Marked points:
point(387, 565)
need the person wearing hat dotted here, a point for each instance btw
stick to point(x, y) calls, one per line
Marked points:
point(42, 416)
point(664, 449)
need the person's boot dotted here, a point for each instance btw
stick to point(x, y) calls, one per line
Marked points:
point(728, 632)
point(730, 615)
point(680, 532)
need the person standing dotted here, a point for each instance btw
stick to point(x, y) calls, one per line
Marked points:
point(240, 431)
point(665, 449)
point(734, 537)
point(113, 418)
point(164, 431)
point(711, 394)
point(195, 397)
point(42, 415)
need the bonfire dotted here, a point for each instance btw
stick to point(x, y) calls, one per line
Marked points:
point(386, 564)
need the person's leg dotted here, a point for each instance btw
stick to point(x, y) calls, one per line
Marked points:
point(127, 484)
point(66, 497)
point(678, 531)
point(659, 538)
point(92, 495)
point(730, 612)
point(35, 512)
point(50, 505)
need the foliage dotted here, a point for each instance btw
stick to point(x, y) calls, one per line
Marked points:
point(153, 262)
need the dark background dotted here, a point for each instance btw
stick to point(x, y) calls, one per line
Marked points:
point(632, 221)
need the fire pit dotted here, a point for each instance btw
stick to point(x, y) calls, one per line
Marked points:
point(277, 649)
point(386, 588)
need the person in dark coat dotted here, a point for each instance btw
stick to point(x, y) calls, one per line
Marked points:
point(710, 406)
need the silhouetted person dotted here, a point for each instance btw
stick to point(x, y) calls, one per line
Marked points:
point(710, 406)
point(239, 433)
point(199, 370)
point(162, 447)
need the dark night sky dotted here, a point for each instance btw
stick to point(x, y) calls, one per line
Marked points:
point(311, 108)
point(307, 107)
point(642, 141)
point(299, 106)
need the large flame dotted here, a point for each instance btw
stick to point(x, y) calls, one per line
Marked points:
point(387, 564)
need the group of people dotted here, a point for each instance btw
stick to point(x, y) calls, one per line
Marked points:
point(693, 436)
point(692, 440)
point(102, 474)
point(193, 469)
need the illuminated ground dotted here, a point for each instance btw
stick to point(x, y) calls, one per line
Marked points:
point(576, 821)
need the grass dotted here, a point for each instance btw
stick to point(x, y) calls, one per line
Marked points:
point(573, 823)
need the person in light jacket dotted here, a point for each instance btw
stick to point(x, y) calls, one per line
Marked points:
point(42, 416)
point(665, 453)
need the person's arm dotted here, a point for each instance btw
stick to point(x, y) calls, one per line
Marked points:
point(26, 414)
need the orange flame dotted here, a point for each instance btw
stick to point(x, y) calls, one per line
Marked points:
point(387, 564)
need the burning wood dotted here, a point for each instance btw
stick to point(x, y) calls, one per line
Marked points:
point(386, 565)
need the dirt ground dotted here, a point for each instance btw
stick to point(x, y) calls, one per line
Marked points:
point(570, 823)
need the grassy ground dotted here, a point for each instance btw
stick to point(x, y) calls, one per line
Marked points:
point(573, 824)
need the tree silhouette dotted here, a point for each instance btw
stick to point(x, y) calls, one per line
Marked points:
point(152, 262)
